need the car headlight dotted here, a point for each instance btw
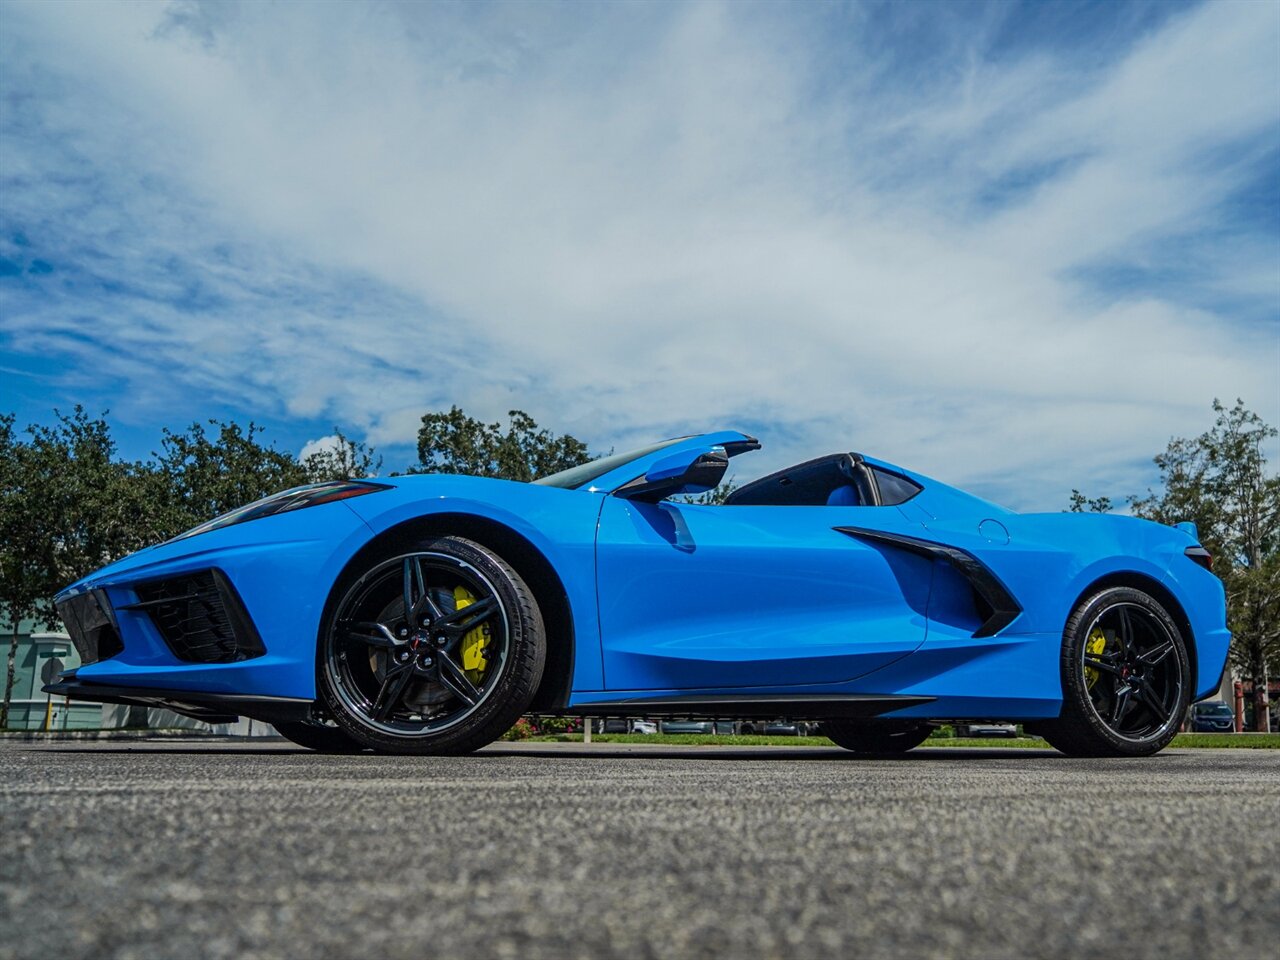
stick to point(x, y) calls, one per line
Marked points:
point(311, 495)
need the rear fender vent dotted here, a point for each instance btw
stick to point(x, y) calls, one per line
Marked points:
point(201, 617)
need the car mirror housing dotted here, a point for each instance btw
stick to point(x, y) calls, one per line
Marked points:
point(687, 472)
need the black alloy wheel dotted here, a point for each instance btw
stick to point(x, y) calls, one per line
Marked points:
point(877, 736)
point(434, 650)
point(1125, 678)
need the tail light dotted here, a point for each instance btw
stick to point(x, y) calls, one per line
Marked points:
point(1201, 556)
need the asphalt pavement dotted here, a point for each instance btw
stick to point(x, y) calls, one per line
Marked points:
point(193, 849)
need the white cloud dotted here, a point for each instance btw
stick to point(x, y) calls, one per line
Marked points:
point(330, 444)
point(652, 218)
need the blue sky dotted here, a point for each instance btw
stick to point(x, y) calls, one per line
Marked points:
point(1016, 246)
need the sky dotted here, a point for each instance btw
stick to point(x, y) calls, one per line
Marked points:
point(1013, 246)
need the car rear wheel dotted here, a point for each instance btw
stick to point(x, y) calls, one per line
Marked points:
point(877, 736)
point(433, 650)
point(318, 736)
point(1125, 678)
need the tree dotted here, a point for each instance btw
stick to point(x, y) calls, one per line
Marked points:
point(344, 460)
point(68, 507)
point(19, 589)
point(1082, 504)
point(713, 497)
point(1219, 480)
point(455, 443)
point(207, 475)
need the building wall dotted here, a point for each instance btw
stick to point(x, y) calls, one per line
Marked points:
point(29, 708)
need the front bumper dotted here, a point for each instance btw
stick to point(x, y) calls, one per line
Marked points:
point(208, 707)
point(1213, 726)
point(272, 578)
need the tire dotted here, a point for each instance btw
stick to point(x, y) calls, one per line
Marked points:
point(1125, 678)
point(877, 736)
point(402, 667)
point(318, 736)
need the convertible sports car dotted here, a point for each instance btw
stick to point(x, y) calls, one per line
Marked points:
point(424, 614)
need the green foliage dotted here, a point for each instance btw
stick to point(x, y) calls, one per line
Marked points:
point(456, 443)
point(347, 460)
point(68, 506)
point(209, 474)
point(72, 507)
point(548, 725)
point(522, 729)
point(1082, 504)
point(712, 498)
point(1220, 481)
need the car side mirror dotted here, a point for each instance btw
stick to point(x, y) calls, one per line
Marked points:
point(688, 472)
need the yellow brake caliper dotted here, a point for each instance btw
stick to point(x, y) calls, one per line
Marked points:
point(1096, 643)
point(475, 643)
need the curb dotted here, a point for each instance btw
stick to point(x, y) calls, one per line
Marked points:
point(43, 736)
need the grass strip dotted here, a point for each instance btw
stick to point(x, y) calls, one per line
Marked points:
point(1254, 741)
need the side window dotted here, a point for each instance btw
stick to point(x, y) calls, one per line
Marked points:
point(894, 488)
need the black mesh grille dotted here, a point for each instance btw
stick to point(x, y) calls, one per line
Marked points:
point(200, 617)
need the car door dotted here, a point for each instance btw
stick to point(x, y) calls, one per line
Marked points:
point(696, 597)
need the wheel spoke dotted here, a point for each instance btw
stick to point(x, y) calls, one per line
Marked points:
point(453, 677)
point(1155, 655)
point(1125, 632)
point(1148, 696)
point(1121, 707)
point(466, 619)
point(1097, 663)
point(373, 635)
point(411, 576)
point(392, 689)
point(417, 597)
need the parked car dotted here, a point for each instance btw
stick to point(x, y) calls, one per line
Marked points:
point(688, 726)
point(986, 730)
point(623, 725)
point(775, 728)
point(1212, 716)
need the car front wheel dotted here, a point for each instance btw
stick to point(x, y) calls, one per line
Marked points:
point(437, 649)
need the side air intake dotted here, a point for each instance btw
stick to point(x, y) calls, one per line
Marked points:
point(201, 617)
point(997, 602)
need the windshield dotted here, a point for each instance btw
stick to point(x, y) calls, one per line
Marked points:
point(1213, 710)
point(584, 473)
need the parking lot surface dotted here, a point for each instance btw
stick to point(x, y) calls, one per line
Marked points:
point(194, 849)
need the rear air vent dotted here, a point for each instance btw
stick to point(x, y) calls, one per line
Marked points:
point(200, 617)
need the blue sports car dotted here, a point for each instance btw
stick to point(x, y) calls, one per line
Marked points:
point(424, 614)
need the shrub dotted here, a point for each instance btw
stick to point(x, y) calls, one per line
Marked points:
point(522, 730)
